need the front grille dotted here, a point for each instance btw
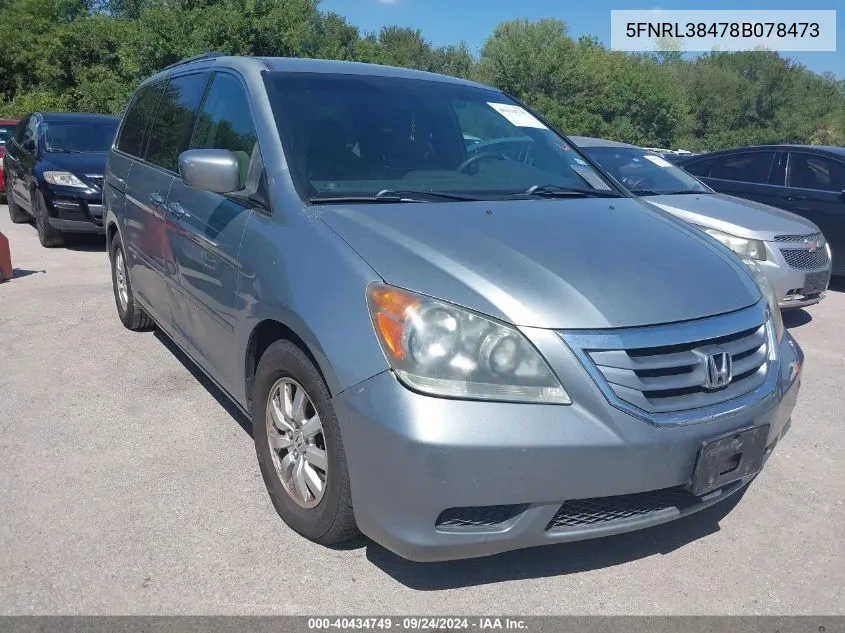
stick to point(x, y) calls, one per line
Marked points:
point(586, 512)
point(798, 238)
point(97, 180)
point(478, 516)
point(663, 369)
point(805, 259)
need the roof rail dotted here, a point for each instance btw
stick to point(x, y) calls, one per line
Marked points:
point(195, 58)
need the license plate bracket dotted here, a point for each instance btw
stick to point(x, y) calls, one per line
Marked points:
point(727, 458)
point(814, 283)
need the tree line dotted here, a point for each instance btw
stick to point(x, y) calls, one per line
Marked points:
point(89, 55)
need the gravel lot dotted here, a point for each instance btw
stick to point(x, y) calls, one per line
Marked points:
point(128, 485)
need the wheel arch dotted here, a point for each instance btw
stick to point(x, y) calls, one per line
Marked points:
point(268, 331)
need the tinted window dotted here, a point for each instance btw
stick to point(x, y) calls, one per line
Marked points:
point(746, 167)
point(644, 173)
point(353, 135)
point(225, 121)
point(812, 171)
point(137, 119)
point(174, 122)
point(62, 136)
point(699, 168)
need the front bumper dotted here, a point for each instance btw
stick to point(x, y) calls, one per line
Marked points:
point(412, 458)
point(74, 210)
point(789, 282)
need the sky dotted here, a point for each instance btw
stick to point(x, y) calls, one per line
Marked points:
point(450, 21)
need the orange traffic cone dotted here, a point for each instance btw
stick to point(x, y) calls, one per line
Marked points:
point(5, 259)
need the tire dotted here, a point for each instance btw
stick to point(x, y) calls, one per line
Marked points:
point(131, 313)
point(47, 235)
point(16, 213)
point(330, 519)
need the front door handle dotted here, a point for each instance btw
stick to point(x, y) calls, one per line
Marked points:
point(156, 199)
point(790, 197)
point(178, 210)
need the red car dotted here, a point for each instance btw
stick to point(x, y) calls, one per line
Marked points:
point(7, 129)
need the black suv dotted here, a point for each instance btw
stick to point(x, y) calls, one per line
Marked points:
point(54, 168)
point(808, 180)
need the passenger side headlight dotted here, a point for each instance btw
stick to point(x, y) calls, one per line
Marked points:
point(443, 350)
point(769, 292)
point(753, 249)
point(63, 178)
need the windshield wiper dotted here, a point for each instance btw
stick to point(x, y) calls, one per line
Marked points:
point(678, 192)
point(556, 191)
point(64, 150)
point(393, 196)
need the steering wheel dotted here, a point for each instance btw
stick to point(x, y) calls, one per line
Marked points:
point(472, 160)
point(635, 183)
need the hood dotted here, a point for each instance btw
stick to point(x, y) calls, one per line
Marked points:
point(586, 263)
point(737, 216)
point(93, 163)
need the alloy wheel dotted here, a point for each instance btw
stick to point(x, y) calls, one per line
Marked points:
point(298, 446)
point(120, 278)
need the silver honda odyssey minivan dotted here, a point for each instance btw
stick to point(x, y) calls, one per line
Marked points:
point(457, 347)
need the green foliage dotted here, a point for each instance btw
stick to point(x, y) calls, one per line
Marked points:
point(89, 55)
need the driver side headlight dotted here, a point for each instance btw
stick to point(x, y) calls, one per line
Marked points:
point(440, 349)
point(753, 249)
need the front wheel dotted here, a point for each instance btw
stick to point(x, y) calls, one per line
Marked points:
point(47, 235)
point(299, 446)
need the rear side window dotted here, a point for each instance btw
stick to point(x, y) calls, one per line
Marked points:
point(138, 117)
point(746, 167)
point(174, 121)
point(225, 122)
point(812, 171)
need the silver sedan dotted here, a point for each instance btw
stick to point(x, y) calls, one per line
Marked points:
point(790, 249)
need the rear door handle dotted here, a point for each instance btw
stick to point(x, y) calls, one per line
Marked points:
point(795, 197)
point(178, 210)
point(157, 199)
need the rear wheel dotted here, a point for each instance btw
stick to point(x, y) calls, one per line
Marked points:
point(16, 213)
point(47, 235)
point(131, 313)
point(299, 446)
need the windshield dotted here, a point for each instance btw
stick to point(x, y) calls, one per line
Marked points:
point(359, 135)
point(78, 137)
point(643, 172)
point(6, 132)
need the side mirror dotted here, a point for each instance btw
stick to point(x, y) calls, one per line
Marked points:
point(29, 145)
point(214, 170)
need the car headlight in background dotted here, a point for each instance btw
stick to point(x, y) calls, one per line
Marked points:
point(769, 292)
point(753, 249)
point(63, 178)
point(441, 349)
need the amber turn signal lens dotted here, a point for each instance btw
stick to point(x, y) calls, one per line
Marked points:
point(391, 308)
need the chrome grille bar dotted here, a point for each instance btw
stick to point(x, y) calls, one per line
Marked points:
point(660, 372)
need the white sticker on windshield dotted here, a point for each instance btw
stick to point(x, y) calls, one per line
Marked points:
point(520, 117)
point(657, 160)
